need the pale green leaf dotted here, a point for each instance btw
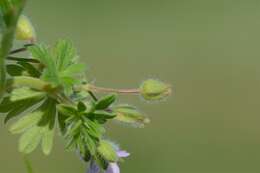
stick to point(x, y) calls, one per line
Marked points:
point(30, 140)
point(73, 69)
point(25, 93)
point(47, 140)
point(65, 54)
point(26, 122)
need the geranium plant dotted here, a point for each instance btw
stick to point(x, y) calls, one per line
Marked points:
point(47, 91)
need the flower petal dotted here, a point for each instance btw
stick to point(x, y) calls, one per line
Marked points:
point(113, 168)
point(93, 167)
point(122, 153)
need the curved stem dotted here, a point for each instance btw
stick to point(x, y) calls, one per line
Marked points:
point(93, 88)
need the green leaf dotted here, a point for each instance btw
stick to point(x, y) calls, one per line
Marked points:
point(21, 106)
point(60, 65)
point(30, 140)
point(67, 110)
point(47, 140)
point(75, 127)
point(25, 93)
point(67, 83)
point(6, 105)
point(105, 102)
point(103, 115)
point(26, 122)
point(81, 107)
point(14, 70)
point(93, 128)
point(107, 151)
point(41, 53)
point(61, 121)
point(73, 70)
point(30, 69)
point(65, 54)
point(47, 122)
point(89, 141)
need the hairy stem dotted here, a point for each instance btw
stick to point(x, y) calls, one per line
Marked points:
point(93, 88)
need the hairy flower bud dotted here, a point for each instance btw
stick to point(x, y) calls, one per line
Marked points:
point(25, 30)
point(106, 150)
point(130, 115)
point(152, 90)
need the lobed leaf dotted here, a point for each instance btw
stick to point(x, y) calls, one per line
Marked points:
point(65, 54)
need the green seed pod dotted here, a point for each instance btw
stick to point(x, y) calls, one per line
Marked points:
point(130, 115)
point(25, 30)
point(153, 90)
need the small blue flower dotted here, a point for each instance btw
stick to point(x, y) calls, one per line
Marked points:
point(112, 167)
point(93, 167)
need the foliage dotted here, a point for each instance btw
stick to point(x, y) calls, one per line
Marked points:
point(46, 92)
point(9, 13)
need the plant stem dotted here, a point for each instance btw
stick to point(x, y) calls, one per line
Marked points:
point(11, 13)
point(92, 88)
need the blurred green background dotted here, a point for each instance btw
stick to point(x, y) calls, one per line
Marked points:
point(207, 49)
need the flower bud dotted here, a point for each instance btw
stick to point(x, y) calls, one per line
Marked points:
point(152, 90)
point(107, 151)
point(130, 115)
point(25, 30)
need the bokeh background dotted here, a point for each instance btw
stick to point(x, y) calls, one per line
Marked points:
point(207, 49)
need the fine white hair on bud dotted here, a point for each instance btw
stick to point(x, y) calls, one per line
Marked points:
point(153, 90)
point(25, 30)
